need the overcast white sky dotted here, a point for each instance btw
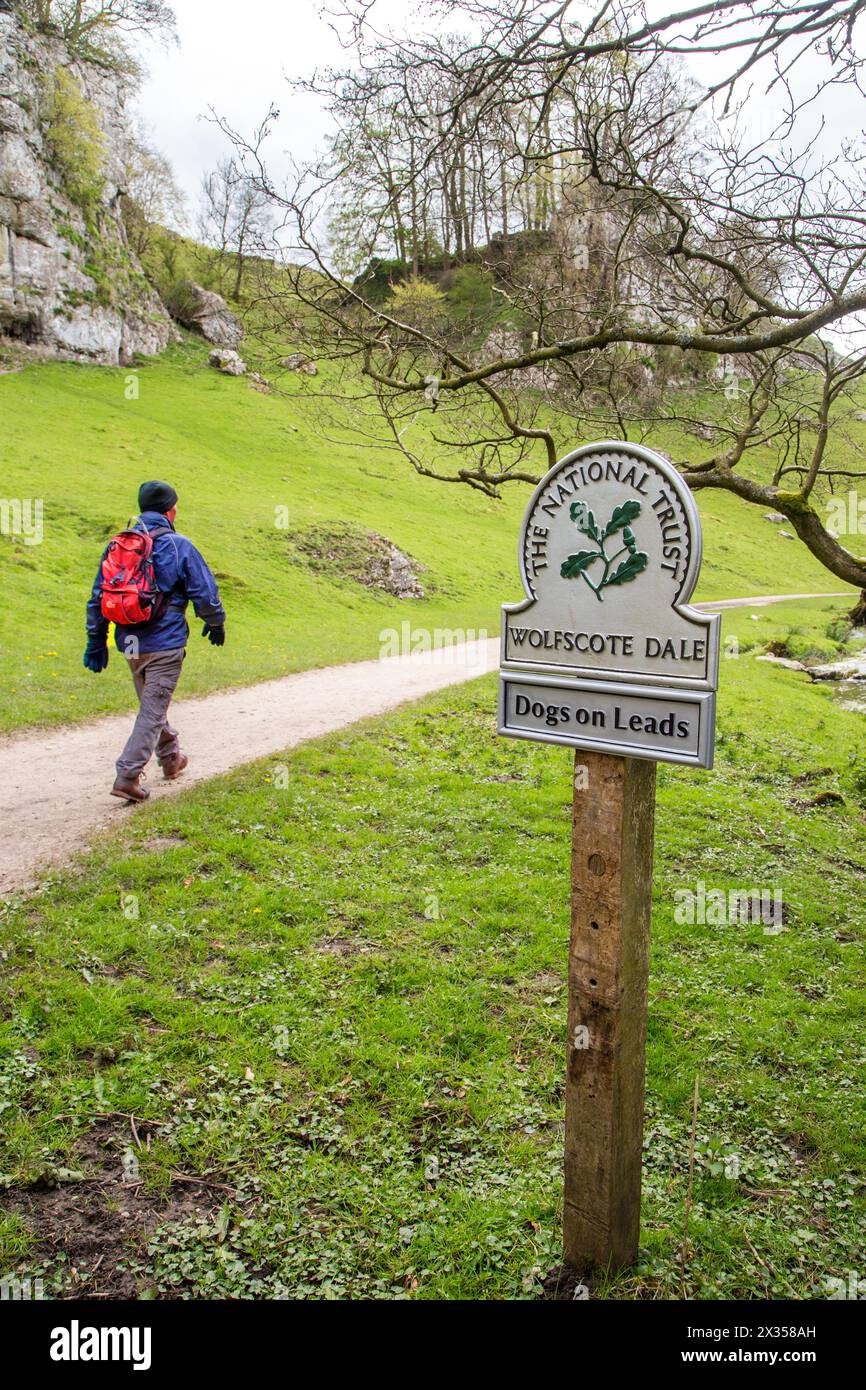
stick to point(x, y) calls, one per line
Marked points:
point(235, 57)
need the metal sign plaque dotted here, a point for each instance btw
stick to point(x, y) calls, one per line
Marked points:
point(669, 726)
point(610, 552)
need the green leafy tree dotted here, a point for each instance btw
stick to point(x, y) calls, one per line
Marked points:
point(418, 302)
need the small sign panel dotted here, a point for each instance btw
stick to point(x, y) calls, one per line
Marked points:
point(673, 726)
point(610, 552)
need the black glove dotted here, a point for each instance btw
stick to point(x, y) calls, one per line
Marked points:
point(96, 654)
point(217, 635)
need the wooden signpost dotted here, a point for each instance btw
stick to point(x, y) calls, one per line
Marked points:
point(605, 656)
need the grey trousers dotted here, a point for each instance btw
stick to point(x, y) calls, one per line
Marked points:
point(155, 675)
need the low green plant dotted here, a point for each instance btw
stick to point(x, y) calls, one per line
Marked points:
point(840, 630)
point(235, 456)
point(418, 302)
point(180, 299)
point(470, 294)
point(75, 141)
point(808, 647)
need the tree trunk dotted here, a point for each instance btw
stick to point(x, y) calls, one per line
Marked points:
point(239, 274)
point(851, 569)
point(413, 207)
point(858, 612)
point(504, 199)
point(456, 216)
point(462, 216)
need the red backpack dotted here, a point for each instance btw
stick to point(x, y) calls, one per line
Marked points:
point(129, 592)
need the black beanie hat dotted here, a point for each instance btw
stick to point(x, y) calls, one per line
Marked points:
point(156, 497)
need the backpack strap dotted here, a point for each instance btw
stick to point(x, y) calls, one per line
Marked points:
point(163, 602)
point(134, 525)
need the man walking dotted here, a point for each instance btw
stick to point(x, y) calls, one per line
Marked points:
point(155, 648)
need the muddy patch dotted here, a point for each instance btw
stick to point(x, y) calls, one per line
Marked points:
point(563, 1284)
point(342, 946)
point(546, 983)
point(89, 1220)
point(158, 843)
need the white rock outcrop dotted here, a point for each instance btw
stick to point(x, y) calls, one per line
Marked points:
point(207, 313)
point(228, 361)
point(51, 294)
point(298, 362)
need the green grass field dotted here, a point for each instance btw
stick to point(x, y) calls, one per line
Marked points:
point(72, 439)
point(300, 1032)
point(303, 1034)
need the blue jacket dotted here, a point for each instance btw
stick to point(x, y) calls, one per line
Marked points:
point(181, 573)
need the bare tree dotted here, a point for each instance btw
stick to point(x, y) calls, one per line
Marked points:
point(151, 198)
point(669, 235)
point(234, 218)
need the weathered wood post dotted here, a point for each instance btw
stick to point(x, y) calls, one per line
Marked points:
point(611, 895)
point(605, 656)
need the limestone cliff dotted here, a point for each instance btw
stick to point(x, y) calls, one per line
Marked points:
point(68, 281)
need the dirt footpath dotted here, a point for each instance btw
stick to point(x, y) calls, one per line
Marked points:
point(54, 784)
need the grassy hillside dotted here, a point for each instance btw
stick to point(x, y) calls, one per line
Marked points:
point(71, 438)
point(307, 1040)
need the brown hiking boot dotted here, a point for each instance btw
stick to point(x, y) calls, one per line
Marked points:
point(174, 766)
point(129, 787)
